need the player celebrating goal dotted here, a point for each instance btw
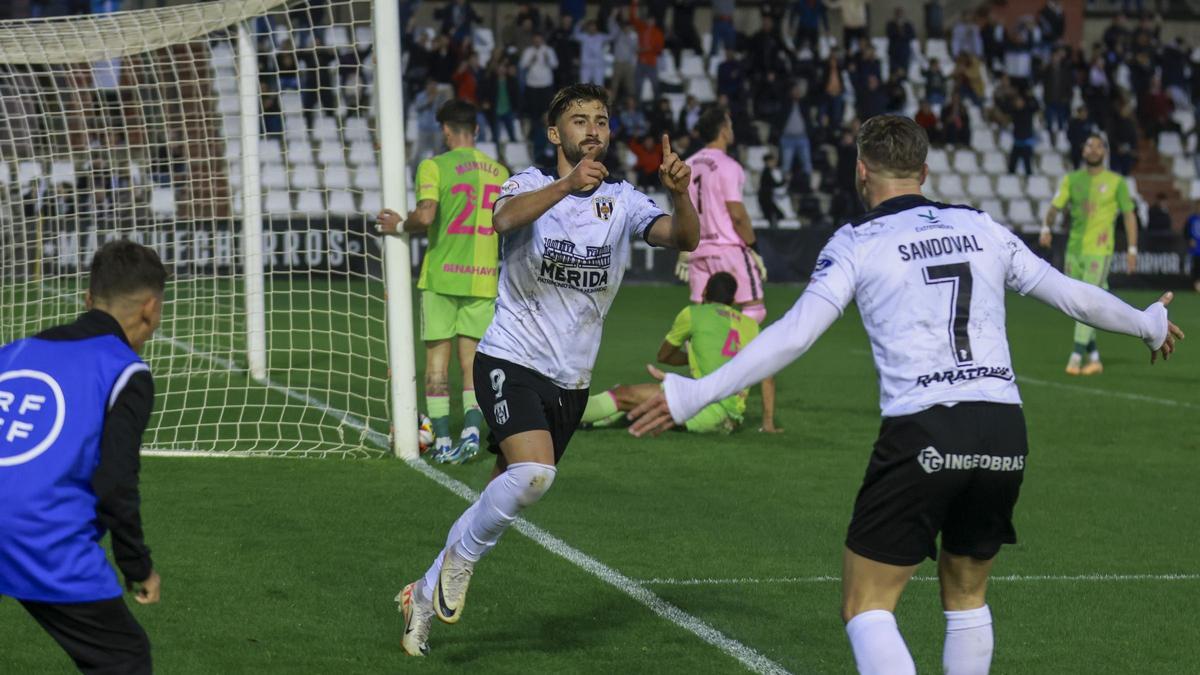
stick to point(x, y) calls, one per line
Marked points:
point(1094, 195)
point(456, 192)
point(727, 240)
point(566, 240)
point(929, 280)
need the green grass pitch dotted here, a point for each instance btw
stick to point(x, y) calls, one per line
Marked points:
point(290, 566)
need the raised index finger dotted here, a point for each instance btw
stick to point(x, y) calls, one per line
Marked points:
point(666, 146)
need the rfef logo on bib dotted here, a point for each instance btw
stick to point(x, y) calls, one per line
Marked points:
point(32, 412)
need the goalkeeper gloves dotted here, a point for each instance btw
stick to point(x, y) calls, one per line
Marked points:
point(758, 262)
point(681, 266)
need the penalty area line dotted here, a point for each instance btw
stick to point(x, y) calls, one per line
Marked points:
point(827, 578)
point(747, 656)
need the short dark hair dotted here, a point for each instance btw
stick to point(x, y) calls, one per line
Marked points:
point(122, 268)
point(711, 122)
point(1096, 134)
point(893, 144)
point(461, 116)
point(575, 93)
point(721, 288)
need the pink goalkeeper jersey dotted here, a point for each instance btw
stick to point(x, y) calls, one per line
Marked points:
point(716, 178)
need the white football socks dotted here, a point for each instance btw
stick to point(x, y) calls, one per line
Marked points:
point(519, 486)
point(456, 533)
point(878, 647)
point(969, 642)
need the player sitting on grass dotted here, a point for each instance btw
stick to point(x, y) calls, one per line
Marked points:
point(455, 194)
point(703, 337)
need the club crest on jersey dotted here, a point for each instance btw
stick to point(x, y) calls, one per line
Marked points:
point(603, 205)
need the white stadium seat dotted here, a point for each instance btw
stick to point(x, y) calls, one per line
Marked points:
point(966, 162)
point(1020, 212)
point(755, 155)
point(331, 152)
point(5, 174)
point(162, 201)
point(517, 156)
point(1052, 165)
point(366, 178)
point(1009, 187)
point(937, 161)
point(277, 202)
point(341, 202)
point(304, 178)
point(950, 187)
point(979, 187)
point(1038, 188)
point(28, 171)
point(273, 176)
point(702, 89)
point(300, 152)
point(1195, 189)
point(325, 127)
point(995, 163)
point(1184, 168)
point(1169, 143)
point(62, 172)
point(337, 177)
point(488, 148)
point(363, 152)
point(371, 203)
point(310, 202)
point(994, 208)
point(270, 151)
point(291, 103)
point(982, 140)
point(356, 129)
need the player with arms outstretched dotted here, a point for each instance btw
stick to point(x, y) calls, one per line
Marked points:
point(1094, 196)
point(702, 337)
point(565, 241)
point(727, 240)
point(456, 192)
point(929, 280)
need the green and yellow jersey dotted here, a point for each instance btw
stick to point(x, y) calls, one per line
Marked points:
point(463, 257)
point(714, 334)
point(1094, 202)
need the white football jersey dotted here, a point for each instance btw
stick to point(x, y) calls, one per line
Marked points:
point(559, 275)
point(929, 280)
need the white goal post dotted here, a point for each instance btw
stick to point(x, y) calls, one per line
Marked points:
point(249, 142)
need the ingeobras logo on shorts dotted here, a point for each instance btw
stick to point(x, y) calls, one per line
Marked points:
point(32, 412)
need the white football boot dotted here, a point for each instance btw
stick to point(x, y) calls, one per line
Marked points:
point(418, 616)
point(451, 592)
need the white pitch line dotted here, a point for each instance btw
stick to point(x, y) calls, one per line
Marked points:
point(748, 657)
point(825, 578)
point(1021, 379)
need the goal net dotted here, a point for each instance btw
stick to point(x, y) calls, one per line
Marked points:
point(236, 138)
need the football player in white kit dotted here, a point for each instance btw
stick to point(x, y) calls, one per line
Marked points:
point(929, 280)
point(565, 242)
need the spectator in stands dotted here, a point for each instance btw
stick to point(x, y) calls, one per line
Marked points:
point(846, 202)
point(994, 39)
point(625, 52)
point(854, 23)
point(1078, 130)
point(928, 121)
point(832, 98)
point(968, 78)
point(768, 105)
point(497, 95)
point(457, 19)
point(897, 97)
point(442, 60)
point(935, 82)
point(538, 61)
point(1174, 63)
point(1117, 36)
point(767, 51)
point(1097, 93)
point(1124, 138)
point(518, 33)
point(1155, 108)
point(1058, 87)
point(1052, 22)
point(683, 29)
point(1004, 96)
point(466, 79)
point(935, 20)
point(724, 36)
point(1018, 59)
point(1024, 137)
point(965, 37)
point(872, 100)
point(593, 48)
point(648, 152)
point(688, 117)
point(808, 18)
point(662, 119)
point(731, 73)
point(956, 123)
point(567, 49)
point(793, 123)
point(429, 129)
point(650, 45)
point(769, 180)
point(576, 9)
point(900, 35)
point(1192, 233)
point(1159, 216)
point(864, 65)
point(630, 122)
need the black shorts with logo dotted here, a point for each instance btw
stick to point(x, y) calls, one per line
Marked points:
point(950, 469)
point(514, 399)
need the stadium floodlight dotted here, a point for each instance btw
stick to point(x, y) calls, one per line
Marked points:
point(220, 134)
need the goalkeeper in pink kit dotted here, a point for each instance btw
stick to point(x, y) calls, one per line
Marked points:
point(727, 242)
